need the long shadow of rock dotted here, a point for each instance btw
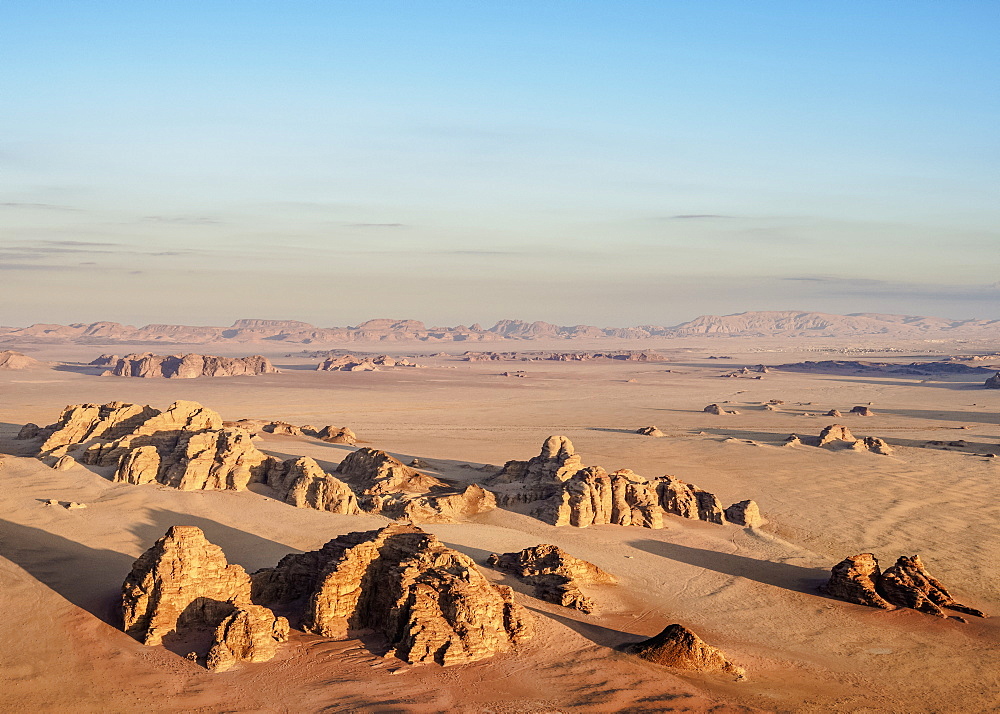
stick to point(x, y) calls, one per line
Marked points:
point(91, 578)
point(781, 575)
point(80, 369)
point(598, 634)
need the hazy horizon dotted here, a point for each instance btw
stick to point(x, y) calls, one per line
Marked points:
point(575, 163)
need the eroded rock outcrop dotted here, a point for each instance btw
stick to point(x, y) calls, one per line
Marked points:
point(862, 411)
point(188, 366)
point(350, 363)
point(306, 485)
point(335, 435)
point(251, 634)
point(906, 584)
point(650, 431)
point(839, 434)
point(555, 574)
point(714, 409)
point(569, 493)
point(678, 647)
point(430, 602)
point(993, 382)
point(181, 581)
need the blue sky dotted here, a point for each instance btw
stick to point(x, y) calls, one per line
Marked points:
point(597, 162)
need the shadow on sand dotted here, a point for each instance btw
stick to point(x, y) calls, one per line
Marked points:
point(781, 575)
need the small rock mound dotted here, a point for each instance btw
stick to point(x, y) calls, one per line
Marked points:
point(835, 433)
point(906, 584)
point(834, 413)
point(839, 434)
point(16, 360)
point(678, 647)
point(430, 602)
point(714, 409)
point(862, 411)
point(650, 431)
point(556, 575)
point(334, 435)
point(993, 382)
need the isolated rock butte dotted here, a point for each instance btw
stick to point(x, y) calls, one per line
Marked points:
point(350, 363)
point(16, 360)
point(430, 602)
point(835, 433)
point(188, 366)
point(906, 584)
point(993, 382)
point(569, 493)
point(862, 411)
point(678, 647)
point(183, 582)
point(556, 575)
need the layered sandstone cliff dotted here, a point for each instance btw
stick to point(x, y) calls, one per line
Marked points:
point(188, 366)
point(565, 492)
point(431, 603)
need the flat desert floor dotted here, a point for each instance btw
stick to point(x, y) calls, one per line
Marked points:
point(753, 593)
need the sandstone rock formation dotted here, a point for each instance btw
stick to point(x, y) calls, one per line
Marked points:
point(993, 382)
point(713, 409)
point(650, 431)
point(834, 433)
point(184, 583)
point(792, 440)
point(305, 485)
point(390, 488)
point(350, 363)
point(430, 602)
point(334, 435)
point(862, 411)
point(678, 647)
point(282, 428)
point(251, 633)
point(187, 366)
point(834, 413)
point(16, 360)
point(745, 513)
point(28, 431)
point(906, 584)
point(565, 492)
point(556, 575)
point(839, 434)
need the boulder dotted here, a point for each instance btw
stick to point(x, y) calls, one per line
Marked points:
point(714, 409)
point(678, 647)
point(650, 431)
point(250, 634)
point(27, 432)
point(875, 445)
point(555, 574)
point(745, 513)
point(834, 413)
point(430, 602)
point(862, 411)
point(792, 440)
point(993, 382)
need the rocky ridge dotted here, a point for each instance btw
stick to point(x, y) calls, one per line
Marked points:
point(188, 447)
point(565, 492)
point(906, 584)
point(189, 366)
point(10, 359)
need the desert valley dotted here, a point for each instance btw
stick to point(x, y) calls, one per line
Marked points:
point(275, 517)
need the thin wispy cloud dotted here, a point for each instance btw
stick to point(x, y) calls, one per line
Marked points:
point(38, 206)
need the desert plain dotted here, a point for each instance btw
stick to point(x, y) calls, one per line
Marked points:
point(752, 592)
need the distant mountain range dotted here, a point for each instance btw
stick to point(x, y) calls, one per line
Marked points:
point(747, 324)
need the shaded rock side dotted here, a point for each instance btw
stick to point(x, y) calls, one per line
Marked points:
point(855, 579)
point(908, 584)
point(678, 647)
point(188, 366)
point(251, 634)
point(182, 581)
point(430, 602)
point(555, 574)
point(992, 382)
